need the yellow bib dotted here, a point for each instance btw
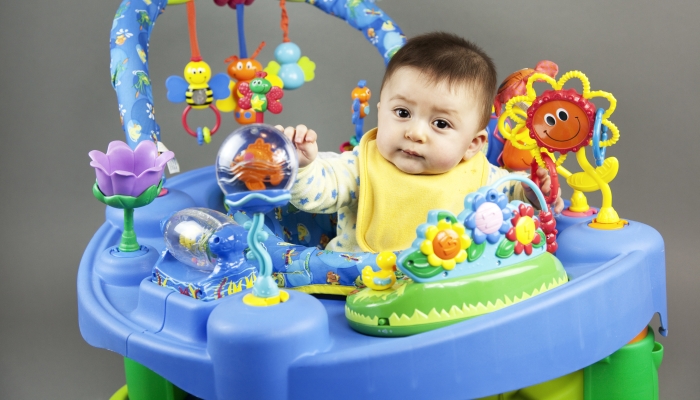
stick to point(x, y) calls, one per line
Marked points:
point(392, 203)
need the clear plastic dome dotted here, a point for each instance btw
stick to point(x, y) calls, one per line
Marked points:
point(187, 233)
point(256, 157)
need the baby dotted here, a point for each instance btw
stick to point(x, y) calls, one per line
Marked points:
point(425, 153)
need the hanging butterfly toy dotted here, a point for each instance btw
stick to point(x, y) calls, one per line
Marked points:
point(260, 96)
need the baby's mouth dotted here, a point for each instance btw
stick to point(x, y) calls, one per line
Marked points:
point(411, 153)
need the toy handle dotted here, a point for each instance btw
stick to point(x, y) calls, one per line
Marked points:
point(554, 187)
point(547, 221)
point(598, 135)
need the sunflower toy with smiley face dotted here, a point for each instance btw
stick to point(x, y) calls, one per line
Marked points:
point(559, 121)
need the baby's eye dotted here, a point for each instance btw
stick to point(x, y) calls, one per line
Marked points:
point(402, 113)
point(441, 124)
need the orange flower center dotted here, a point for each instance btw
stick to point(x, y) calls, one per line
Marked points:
point(446, 244)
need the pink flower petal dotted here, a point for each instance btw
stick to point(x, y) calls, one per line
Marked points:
point(99, 158)
point(104, 182)
point(123, 183)
point(115, 144)
point(101, 164)
point(164, 158)
point(147, 179)
point(144, 156)
point(121, 157)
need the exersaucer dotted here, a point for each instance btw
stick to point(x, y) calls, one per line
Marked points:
point(220, 325)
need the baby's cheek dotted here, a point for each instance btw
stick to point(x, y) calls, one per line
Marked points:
point(444, 162)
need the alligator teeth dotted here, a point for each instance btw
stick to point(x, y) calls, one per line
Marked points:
point(455, 312)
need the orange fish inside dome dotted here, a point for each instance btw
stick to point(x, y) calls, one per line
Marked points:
point(561, 120)
point(256, 166)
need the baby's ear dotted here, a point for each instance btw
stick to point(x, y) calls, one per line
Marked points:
point(378, 106)
point(476, 145)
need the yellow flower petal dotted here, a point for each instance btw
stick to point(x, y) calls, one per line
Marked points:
point(434, 260)
point(449, 264)
point(442, 224)
point(431, 232)
point(465, 241)
point(427, 248)
point(461, 256)
point(459, 228)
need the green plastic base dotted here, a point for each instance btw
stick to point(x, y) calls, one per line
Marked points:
point(410, 307)
point(628, 374)
point(144, 384)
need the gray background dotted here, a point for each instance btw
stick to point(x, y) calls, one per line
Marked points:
point(56, 104)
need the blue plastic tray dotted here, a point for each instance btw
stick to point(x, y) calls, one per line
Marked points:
point(304, 349)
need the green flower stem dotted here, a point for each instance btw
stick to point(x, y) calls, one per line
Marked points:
point(128, 242)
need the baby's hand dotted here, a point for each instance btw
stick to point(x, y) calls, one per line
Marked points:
point(304, 140)
point(545, 186)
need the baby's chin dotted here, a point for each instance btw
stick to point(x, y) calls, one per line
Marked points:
point(415, 168)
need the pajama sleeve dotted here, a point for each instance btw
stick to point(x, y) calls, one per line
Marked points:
point(327, 184)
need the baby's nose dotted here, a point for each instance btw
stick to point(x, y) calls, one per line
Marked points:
point(416, 135)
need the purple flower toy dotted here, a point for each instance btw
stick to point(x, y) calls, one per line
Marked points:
point(128, 179)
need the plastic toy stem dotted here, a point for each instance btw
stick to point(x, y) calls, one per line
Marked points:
point(259, 117)
point(128, 241)
point(265, 286)
point(607, 214)
point(242, 50)
point(579, 203)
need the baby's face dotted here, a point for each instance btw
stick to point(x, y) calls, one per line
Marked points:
point(426, 128)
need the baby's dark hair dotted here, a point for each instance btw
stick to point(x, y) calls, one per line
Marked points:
point(445, 56)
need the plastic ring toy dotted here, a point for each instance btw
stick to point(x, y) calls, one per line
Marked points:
point(598, 135)
point(193, 133)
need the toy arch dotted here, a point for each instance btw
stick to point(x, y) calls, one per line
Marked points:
point(129, 45)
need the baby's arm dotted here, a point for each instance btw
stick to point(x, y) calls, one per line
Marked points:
point(323, 184)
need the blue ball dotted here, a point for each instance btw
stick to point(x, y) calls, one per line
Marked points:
point(292, 76)
point(287, 53)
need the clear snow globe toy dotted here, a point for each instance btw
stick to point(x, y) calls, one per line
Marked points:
point(256, 165)
point(255, 168)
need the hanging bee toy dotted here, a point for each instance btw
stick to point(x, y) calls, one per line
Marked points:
point(199, 89)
